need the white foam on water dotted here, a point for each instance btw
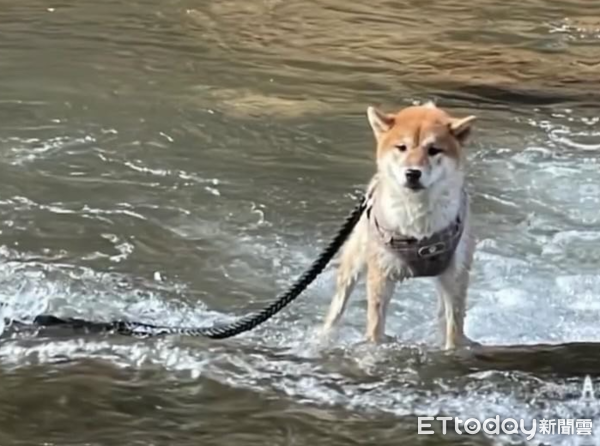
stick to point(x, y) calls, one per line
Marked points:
point(27, 150)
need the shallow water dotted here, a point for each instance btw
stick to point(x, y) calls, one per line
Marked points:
point(181, 162)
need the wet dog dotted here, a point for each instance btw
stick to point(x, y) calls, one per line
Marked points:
point(417, 220)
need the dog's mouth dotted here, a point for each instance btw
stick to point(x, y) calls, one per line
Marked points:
point(414, 186)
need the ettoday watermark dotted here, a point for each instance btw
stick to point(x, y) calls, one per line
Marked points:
point(508, 426)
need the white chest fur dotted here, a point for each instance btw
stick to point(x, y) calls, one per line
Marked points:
point(418, 214)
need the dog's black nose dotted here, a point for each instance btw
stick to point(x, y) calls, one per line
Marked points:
point(413, 175)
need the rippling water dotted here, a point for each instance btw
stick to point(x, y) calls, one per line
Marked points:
point(180, 162)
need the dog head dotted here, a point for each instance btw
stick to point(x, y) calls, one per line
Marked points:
point(419, 146)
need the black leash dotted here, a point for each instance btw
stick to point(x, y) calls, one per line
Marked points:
point(246, 323)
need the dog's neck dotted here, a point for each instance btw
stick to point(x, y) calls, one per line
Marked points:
point(419, 213)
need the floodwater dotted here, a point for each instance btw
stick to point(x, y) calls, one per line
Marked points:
point(182, 162)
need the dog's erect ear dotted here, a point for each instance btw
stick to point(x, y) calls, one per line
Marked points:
point(461, 127)
point(380, 122)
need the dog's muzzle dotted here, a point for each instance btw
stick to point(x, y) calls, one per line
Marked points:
point(413, 179)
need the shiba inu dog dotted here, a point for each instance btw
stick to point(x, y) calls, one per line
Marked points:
point(417, 220)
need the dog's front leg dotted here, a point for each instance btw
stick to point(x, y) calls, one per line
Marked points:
point(452, 286)
point(380, 288)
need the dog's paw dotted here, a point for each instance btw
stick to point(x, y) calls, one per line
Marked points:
point(387, 339)
point(378, 340)
point(462, 342)
point(324, 337)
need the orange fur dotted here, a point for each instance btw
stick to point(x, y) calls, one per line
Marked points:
point(418, 127)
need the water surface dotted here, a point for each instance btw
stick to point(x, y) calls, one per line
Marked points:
point(181, 162)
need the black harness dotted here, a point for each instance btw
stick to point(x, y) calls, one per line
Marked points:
point(426, 257)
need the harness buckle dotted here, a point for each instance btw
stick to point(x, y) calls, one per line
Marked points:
point(431, 250)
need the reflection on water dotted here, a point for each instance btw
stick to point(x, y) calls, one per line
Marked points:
point(182, 162)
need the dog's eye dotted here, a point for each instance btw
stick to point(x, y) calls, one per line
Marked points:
point(401, 148)
point(433, 151)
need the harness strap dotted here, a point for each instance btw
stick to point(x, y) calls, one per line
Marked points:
point(440, 239)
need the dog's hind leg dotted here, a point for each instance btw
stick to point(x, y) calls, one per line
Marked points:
point(441, 313)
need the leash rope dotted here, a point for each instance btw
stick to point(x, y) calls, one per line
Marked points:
point(246, 323)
